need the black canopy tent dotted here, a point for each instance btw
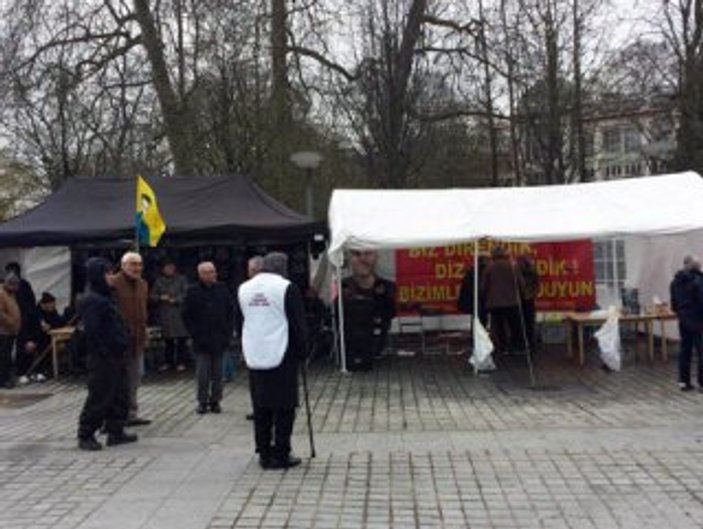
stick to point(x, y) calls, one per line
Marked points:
point(225, 219)
point(196, 210)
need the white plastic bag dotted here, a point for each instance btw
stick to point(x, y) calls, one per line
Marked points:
point(608, 337)
point(481, 358)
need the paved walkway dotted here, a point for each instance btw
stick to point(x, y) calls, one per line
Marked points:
point(415, 443)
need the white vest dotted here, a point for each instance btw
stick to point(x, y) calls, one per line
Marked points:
point(265, 329)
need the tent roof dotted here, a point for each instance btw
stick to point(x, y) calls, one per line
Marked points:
point(653, 205)
point(98, 209)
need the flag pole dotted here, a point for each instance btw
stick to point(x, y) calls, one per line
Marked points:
point(136, 211)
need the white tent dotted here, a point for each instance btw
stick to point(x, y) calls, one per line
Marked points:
point(654, 205)
point(646, 206)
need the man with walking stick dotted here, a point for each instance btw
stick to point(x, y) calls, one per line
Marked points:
point(271, 322)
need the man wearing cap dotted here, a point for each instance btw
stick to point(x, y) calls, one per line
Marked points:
point(131, 293)
point(274, 339)
point(10, 323)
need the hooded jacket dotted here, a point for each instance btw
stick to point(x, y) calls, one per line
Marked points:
point(106, 334)
point(687, 298)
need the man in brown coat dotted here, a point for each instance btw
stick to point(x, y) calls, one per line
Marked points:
point(502, 285)
point(10, 323)
point(132, 293)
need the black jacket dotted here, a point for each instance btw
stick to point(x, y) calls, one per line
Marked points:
point(687, 298)
point(277, 388)
point(105, 331)
point(208, 314)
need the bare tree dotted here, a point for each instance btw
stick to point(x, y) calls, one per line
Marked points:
point(683, 29)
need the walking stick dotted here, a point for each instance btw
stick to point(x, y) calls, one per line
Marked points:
point(304, 372)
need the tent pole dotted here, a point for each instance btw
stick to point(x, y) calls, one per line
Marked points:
point(474, 325)
point(616, 279)
point(136, 221)
point(340, 314)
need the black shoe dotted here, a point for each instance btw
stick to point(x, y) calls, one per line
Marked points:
point(265, 463)
point(121, 438)
point(215, 407)
point(202, 408)
point(90, 444)
point(137, 421)
point(286, 462)
point(685, 387)
point(250, 416)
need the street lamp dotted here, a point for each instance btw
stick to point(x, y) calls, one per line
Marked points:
point(308, 160)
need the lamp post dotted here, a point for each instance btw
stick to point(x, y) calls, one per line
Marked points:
point(309, 161)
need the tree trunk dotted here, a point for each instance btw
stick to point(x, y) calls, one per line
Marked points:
point(577, 115)
point(178, 124)
point(553, 167)
point(281, 119)
point(488, 92)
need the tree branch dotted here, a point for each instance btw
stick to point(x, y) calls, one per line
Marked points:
point(324, 61)
point(455, 113)
point(469, 27)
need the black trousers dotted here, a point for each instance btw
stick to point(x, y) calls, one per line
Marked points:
point(6, 343)
point(108, 397)
point(175, 351)
point(507, 329)
point(273, 425)
point(208, 369)
point(690, 340)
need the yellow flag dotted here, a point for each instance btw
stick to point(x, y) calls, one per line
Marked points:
point(150, 224)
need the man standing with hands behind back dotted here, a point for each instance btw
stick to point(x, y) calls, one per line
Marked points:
point(274, 340)
point(686, 291)
point(131, 293)
point(208, 313)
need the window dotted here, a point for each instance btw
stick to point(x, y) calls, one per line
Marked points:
point(661, 129)
point(610, 270)
point(588, 144)
point(611, 140)
point(632, 139)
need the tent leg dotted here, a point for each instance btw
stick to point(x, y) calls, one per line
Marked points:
point(474, 325)
point(523, 328)
point(340, 312)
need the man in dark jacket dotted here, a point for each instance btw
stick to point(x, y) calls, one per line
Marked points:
point(271, 321)
point(687, 302)
point(208, 314)
point(502, 286)
point(107, 340)
point(25, 294)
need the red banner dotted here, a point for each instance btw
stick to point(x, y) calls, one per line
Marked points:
point(431, 277)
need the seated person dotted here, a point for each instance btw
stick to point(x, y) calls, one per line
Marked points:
point(48, 315)
point(36, 340)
